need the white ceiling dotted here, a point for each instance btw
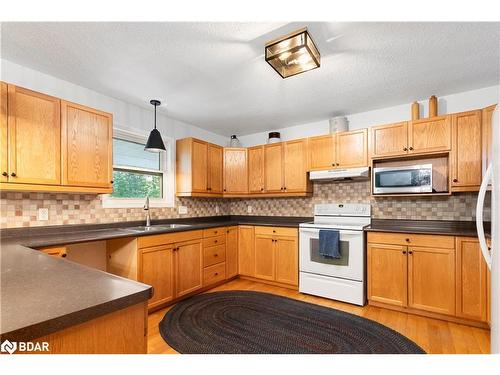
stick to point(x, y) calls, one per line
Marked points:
point(214, 75)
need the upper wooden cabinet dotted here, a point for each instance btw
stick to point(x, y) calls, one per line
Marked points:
point(34, 133)
point(256, 169)
point(273, 168)
point(199, 168)
point(4, 167)
point(486, 117)
point(295, 166)
point(429, 135)
point(87, 146)
point(340, 150)
point(52, 145)
point(466, 156)
point(389, 140)
point(235, 171)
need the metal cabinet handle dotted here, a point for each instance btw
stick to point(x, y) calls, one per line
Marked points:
point(455, 180)
point(5, 174)
point(216, 255)
point(411, 148)
point(261, 189)
point(215, 241)
point(410, 252)
point(404, 251)
point(216, 274)
point(338, 164)
point(407, 239)
point(405, 148)
point(13, 174)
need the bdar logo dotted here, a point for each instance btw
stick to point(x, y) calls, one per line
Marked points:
point(9, 347)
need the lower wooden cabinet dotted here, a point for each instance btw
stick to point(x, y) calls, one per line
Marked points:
point(188, 267)
point(231, 252)
point(444, 275)
point(388, 274)
point(265, 262)
point(287, 265)
point(156, 268)
point(246, 250)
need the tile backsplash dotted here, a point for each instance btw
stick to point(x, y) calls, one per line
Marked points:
point(20, 209)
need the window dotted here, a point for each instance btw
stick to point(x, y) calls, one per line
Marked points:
point(138, 174)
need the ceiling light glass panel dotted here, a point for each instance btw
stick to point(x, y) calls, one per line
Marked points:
point(293, 53)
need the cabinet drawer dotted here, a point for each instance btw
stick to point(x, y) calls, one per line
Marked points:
point(163, 239)
point(214, 241)
point(424, 240)
point(214, 274)
point(213, 255)
point(278, 231)
point(211, 232)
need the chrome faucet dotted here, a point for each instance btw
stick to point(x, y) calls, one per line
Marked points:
point(148, 215)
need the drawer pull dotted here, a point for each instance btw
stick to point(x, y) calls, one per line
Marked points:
point(410, 252)
point(404, 252)
point(5, 174)
point(215, 241)
point(13, 174)
point(216, 255)
point(216, 274)
point(407, 239)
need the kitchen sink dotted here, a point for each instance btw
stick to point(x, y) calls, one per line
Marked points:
point(154, 228)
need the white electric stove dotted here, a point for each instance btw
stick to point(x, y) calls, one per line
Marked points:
point(339, 279)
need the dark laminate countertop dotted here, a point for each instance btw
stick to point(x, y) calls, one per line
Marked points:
point(442, 227)
point(41, 295)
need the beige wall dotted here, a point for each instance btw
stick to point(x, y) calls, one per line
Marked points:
point(20, 209)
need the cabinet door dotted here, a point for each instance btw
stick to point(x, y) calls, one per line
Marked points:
point(429, 135)
point(215, 168)
point(352, 149)
point(287, 264)
point(389, 140)
point(235, 171)
point(387, 274)
point(486, 118)
point(156, 268)
point(265, 263)
point(431, 279)
point(188, 267)
point(199, 169)
point(471, 279)
point(3, 135)
point(295, 166)
point(87, 146)
point(231, 252)
point(322, 152)
point(466, 151)
point(256, 169)
point(273, 168)
point(34, 128)
point(246, 250)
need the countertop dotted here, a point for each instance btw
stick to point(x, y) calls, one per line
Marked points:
point(441, 227)
point(41, 294)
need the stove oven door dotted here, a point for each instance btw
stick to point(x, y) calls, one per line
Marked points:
point(349, 266)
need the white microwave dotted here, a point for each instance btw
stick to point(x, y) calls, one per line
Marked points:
point(403, 179)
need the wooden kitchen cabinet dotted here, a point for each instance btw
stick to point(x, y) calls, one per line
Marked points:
point(295, 166)
point(265, 262)
point(466, 156)
point(188, 267)
point(471, 280)
point(431, 279)
point(389, 140)
point(235, 171)
point(387, 274)
point(156, 268)
point(4, 167)
point(199, 170)
point(87, 146)
point(246, 250)
point(322, 152)
point(352, 149)
point(256, 169)
point(34, 137)
point(215, 169)
point(273, 168)
point(287, 263)
point(231, 252)
point(487, 151)
point(429, 135)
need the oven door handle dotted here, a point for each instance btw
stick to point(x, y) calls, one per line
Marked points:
point(341, 231)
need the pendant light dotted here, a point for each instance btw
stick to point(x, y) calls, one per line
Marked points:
point(155, 143)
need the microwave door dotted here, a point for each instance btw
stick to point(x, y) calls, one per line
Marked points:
point(402, 180)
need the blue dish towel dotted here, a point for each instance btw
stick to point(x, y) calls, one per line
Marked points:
point(329, 243)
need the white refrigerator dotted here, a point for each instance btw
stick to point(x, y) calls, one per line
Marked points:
point(492, 256)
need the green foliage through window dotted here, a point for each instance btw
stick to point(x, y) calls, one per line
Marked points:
point(129, 184)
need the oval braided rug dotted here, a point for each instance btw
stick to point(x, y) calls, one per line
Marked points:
point(252, 322)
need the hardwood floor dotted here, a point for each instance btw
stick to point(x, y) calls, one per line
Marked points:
point(434, 336)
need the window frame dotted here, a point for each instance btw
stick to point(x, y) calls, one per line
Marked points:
point(166, 170)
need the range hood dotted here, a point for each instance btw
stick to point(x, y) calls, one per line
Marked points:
point(341, 174)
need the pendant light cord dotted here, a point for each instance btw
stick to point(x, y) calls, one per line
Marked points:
point(155, 116)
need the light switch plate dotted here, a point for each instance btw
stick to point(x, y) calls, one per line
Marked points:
point(249, 209)
point(43, 214)
point(183, 210)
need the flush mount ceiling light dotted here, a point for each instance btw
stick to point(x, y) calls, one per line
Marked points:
point(293, 53)
point(155, 143)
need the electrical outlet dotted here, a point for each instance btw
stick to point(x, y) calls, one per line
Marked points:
point(249, 209)
point(216, 208)
point(183, 210)
point(43, 214)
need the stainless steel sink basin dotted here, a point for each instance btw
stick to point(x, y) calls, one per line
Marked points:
point(154, 228)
